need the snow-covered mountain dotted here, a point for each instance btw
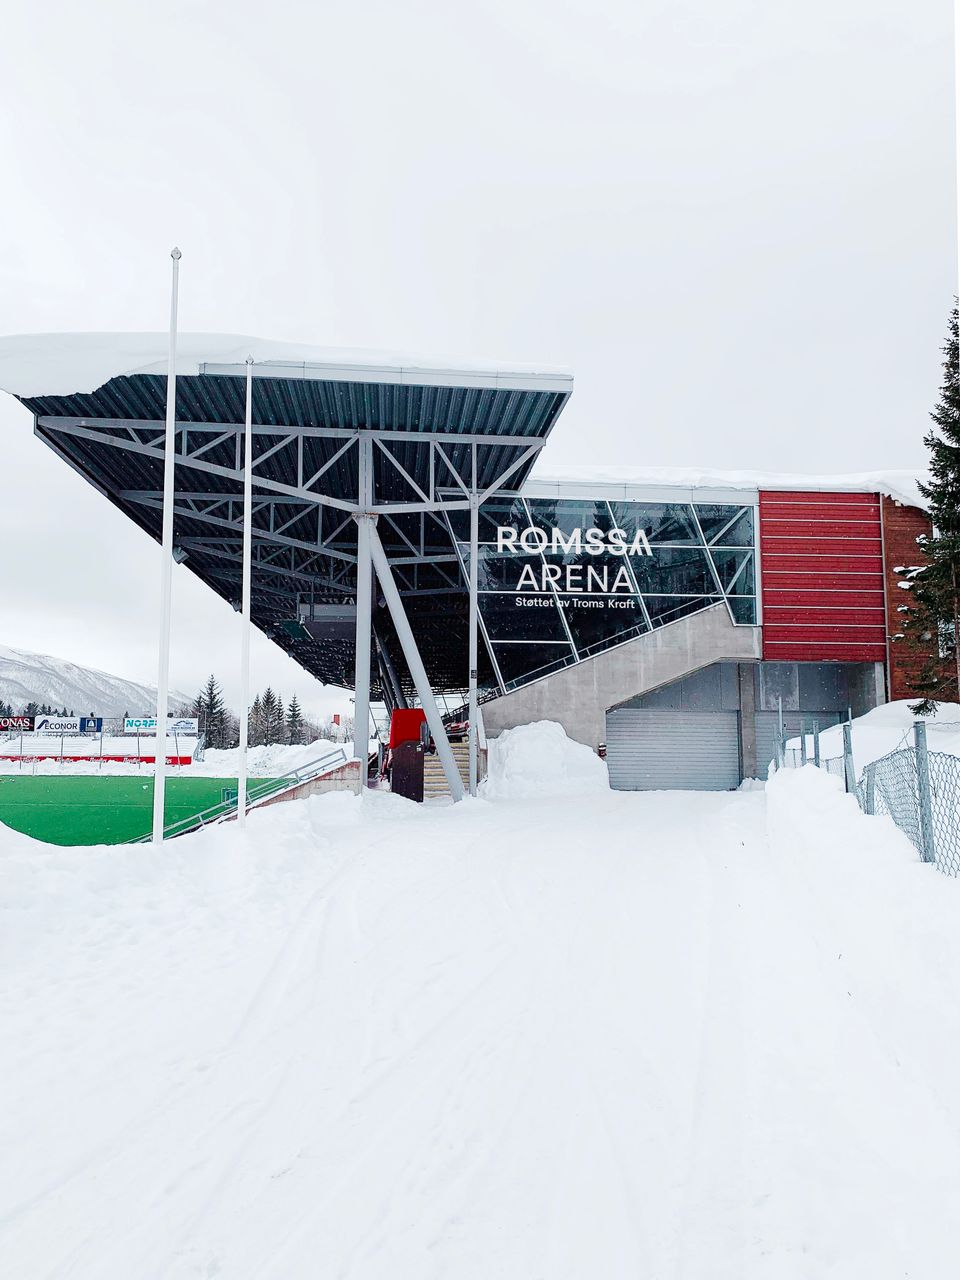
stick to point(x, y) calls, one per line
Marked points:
point(37, 677)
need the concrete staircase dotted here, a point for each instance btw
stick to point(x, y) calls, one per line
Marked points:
point(434, 780)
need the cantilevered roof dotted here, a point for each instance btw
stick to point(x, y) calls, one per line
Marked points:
point(99, 401)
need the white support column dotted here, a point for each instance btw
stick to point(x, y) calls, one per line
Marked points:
point(361, 706)
point(473, 710)
point(166, 561)
point(245, 597)
point(414, 662)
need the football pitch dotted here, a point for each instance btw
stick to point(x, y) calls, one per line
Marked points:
point(76, 810)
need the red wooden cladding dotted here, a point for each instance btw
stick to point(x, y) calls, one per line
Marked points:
point(807, 497)
point(786, 528)
point(803, 567)
point(817, 651)
point(814, 592)
point(799, 615)
point(822, 577)
point(853, 545)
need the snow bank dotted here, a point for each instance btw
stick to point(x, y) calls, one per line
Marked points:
point(901, 485)
point(35, 364)
point(538, 760)
point(889, 728)
point(265, 762)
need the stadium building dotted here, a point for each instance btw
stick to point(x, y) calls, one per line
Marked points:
point(402, 547)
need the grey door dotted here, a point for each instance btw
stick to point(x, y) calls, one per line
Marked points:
point(673, 750)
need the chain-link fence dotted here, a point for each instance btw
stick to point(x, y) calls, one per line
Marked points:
point(920, 790)
point(917, 788)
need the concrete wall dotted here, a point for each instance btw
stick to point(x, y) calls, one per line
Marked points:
point(344, 778)
point(578, 697)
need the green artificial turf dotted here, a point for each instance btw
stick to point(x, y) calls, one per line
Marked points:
point(105, 810)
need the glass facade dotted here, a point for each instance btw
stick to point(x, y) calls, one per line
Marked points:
point(563, 579)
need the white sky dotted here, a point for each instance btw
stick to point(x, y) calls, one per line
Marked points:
point(733, 219)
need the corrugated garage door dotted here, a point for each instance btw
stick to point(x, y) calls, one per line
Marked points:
point(673, 750)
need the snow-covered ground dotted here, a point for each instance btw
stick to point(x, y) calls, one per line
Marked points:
point(889, 728)
point(587, 1037)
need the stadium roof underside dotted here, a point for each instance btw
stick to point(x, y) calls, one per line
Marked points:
point(438, 435)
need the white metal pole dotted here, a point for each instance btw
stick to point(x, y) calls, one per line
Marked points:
point(474, 741)
point(361, 705)
point(166, 562)
point(245, 597)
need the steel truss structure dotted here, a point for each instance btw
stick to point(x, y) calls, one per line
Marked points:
point(351, 486)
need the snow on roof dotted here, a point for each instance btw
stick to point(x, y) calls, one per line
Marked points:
point(53, 364)
point(899, 485)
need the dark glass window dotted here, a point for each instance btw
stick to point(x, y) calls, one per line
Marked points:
point(520, 663)
point(660, 521)
point(522, 616)
point(726, 525)
point(593, 598)
point(676, 571)
point(498, 512)
point(597, 622)
point(501, 570)
point(735, 569)
point(743, 609)
point(738, 534)
point(568, 516)
point(664, 609)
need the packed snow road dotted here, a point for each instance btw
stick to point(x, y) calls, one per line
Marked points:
point(702, 1037)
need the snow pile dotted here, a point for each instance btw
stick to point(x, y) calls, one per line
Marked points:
point(889, 728)
point(538, 760)
point(901, 485)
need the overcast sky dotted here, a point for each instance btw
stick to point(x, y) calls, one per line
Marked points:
point(733, 219)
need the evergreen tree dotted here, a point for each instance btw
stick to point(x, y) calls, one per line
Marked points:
point(272, 709)
point(931, 607)
point(255, 723)
point(213, 713)
point(294, 722)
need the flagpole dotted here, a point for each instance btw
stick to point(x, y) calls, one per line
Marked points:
point(245, 597)
point(166, 562)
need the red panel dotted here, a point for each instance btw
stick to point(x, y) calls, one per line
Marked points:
point(771, 498)
point(816, 615)
point(819, 511)
point(790, 651)
point(792, 529)
point(795, 567)
point(405, 725)
point(825, 545)
point(823, 592)
point(822, 577)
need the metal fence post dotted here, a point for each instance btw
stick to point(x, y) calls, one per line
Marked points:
point(925, 806)
point(816, 743)
point(869, 789)
point(803, 740)
point(849, 773)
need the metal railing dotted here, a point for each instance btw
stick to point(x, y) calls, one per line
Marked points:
point(257, 792)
